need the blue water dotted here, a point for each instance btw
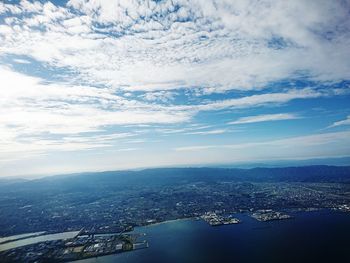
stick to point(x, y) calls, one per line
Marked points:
point(322, 236)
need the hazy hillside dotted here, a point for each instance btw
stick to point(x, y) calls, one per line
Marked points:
point(63, 202)
point(173, 176)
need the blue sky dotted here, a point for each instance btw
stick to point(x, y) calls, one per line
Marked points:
point(92, 85)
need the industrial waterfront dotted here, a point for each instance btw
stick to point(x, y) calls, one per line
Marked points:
point(295, 240)
point(240, 236)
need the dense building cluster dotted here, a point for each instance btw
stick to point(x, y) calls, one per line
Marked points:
point(115, 210)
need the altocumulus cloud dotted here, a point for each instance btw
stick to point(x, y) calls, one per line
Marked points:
point(149, 45)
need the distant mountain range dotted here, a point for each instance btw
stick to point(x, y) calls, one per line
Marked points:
point(165, 176)
point(63, 202)
point(10, 180)
point(342, 161)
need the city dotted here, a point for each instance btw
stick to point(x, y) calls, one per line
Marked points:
point(212, 195)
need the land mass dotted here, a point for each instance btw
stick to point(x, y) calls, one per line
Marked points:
point(115, 201)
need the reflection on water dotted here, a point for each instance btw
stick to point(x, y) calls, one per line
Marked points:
point(37, 239)
point(15, 237)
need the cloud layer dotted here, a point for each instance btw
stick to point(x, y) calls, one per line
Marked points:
point(98, 74)
point(265, 118)
point(213, 45)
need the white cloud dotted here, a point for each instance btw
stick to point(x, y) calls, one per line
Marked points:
point(119, 63)
point(341, 123)
point(31, 111)
point(49, 106)
point(265, 117)
point(141, 45)
point(217, 131)
point(159, 96)
point(21, 61)
point(296, 143)
point(258, 100)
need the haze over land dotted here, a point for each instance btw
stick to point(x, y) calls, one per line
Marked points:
point(115, 200)
point(103, 85)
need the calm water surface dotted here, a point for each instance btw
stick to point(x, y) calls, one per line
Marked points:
point(322, 236)
point(6, 239)
point(37, 239)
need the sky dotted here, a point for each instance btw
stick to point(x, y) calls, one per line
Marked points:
point(91, 85)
